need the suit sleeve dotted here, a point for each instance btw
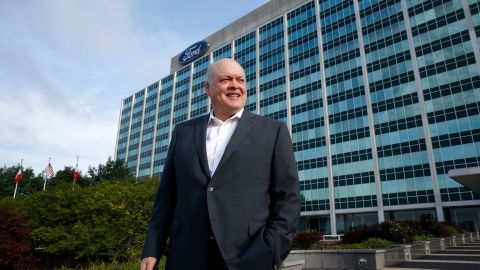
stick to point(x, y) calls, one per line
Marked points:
point(163, 208)
point(285, 198)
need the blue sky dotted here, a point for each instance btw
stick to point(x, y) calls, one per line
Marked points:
point(65, 66)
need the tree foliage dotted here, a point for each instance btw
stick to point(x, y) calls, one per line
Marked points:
point(16, 251)
point(306, 239)
point(401, 231)
point(105, 219)
point(112, 170)
point(65, 178)
point(29, 184)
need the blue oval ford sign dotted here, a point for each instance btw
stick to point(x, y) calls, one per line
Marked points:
point(193, 52)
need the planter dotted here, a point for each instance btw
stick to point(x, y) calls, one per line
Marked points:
point(397, 254)
point(290, 264)
point(451, 241)
point(368, 259)
point(437, 244)
point(420, 249)
point(469, 236)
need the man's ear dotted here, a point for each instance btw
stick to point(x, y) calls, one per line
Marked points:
point(207, 89)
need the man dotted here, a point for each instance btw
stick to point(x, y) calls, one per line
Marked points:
point(228, 196)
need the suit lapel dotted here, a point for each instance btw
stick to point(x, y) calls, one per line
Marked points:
point(200, 142)
point(243, 129)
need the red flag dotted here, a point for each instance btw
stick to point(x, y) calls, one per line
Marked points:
point(76, 174)
point(19, 175)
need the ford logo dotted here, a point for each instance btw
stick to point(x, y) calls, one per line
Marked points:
point(193, 52)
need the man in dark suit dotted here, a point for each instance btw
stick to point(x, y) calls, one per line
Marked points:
point(229, 195)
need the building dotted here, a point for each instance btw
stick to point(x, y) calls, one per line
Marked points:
point(382, 99)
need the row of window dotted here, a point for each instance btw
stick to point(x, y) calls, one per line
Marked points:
point(314, 184)
point(309, 124)
point(444, 166)
point(456, 138)
point(356, 72)
point(350, 135)
point(315, 205)
point(395, 103)
point(412, 171)
point(425, 5)
point(452, 88)
point(348, 114)
point(354, 179)
point(461, 111)
point(438, 22)
point(356, 202)
point(377, 6)
point(458, 194)
point(412, 197)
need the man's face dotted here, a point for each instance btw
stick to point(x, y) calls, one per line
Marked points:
point(226, 87)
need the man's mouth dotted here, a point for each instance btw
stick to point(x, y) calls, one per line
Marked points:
point(233, 95)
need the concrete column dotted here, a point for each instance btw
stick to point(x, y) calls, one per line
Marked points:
point(287, 74)
point(155, 127)
point(328, 145)
point(371, 125)
point(421, 103)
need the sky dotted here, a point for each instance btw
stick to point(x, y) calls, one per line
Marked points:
point(65, 67)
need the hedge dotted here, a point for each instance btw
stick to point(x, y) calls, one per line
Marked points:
point(106, 220)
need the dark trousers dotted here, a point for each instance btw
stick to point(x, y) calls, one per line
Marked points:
point(214, 257)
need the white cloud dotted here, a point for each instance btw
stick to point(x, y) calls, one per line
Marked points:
point(65, 66)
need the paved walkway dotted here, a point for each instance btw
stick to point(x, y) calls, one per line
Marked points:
point(463, 257)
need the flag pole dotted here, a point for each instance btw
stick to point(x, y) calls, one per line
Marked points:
point(74, 171)
point(15, 192)
point(45, 178)
point(16, 184)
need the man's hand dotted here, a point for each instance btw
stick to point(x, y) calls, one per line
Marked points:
point(148, 263)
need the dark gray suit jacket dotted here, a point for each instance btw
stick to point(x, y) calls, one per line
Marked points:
point(252, 201)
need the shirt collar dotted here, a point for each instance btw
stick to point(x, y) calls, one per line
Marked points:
point(213, 118)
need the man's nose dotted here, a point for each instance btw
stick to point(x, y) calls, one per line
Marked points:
point(235, 84)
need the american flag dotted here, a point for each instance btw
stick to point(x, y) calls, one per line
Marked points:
point(48, 171)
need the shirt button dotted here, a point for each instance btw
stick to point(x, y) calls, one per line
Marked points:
point(210, 189)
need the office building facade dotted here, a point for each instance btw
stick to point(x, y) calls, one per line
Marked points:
point(382, 99)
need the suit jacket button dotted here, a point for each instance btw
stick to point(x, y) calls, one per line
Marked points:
point(210, 189)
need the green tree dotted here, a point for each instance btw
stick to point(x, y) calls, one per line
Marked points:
point(65, 177)
point(106, 219)
point(112, 170)
point(29, 184)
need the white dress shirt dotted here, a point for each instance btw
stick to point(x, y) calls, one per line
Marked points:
point(218, 135)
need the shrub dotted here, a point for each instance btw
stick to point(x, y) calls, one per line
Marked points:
point(395, 232)
point(389, 230)
point(450, 230)
point(306, 239)
point(360, 234)
point(458, 229)
point(422, 237)
point(16, 250)
point(106, 220)
point(371, 243)
point(375, 243)
point(435, 228)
